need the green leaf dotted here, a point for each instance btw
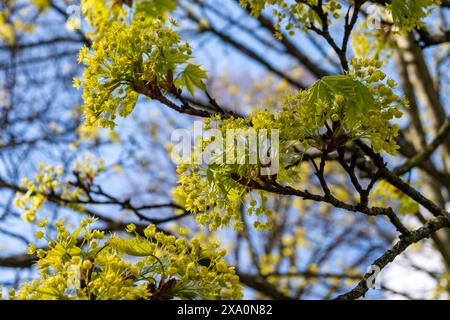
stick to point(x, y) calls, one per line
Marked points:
point(407, 14)
point(357, 98)
point(191, 77)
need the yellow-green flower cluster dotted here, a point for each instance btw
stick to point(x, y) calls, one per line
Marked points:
point(387, 195)
point(291, 15)
point(217, 192)
point(144, 56)
point(216, 202)
point(49, 182)
point(357, 105)
point(301, 15)
point(13, 25)
point(332, 112)
point(376, 124)
point(409, 14)
point(7, 34)
point(88, 167)
point(46, 183)
point(81, 265)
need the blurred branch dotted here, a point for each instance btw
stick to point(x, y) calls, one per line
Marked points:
point(427, 151)
point(262, 286)
point(389, 256)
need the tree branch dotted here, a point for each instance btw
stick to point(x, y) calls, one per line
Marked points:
point(422, 233)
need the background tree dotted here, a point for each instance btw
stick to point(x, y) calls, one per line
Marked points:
point(357, 189)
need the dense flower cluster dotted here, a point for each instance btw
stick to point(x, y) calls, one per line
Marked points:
point(81, 265)
point(144, 56)
point(292, 15)
point(304, 15)
point(388, 195)
point(49, 183)
point(14, 25)
point(335, 110)
point(87, 264)
point(332, 112)
point(408, 14)
point(215, 191)
point(386, 105)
